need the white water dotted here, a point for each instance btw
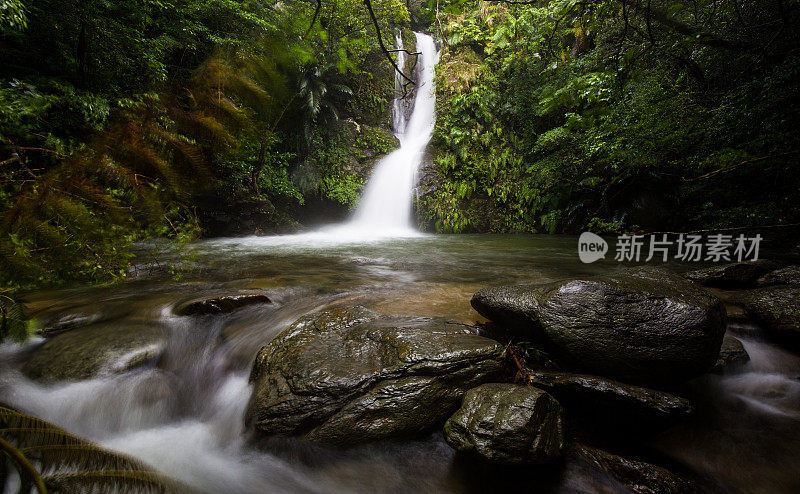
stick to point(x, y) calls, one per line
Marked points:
point(384, 211)
point(385, 206)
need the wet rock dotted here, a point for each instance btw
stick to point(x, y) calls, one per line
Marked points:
point(94, 351)
point(346, 376)
point(735, 275)
point(790, 275)
point(638, 476)
point(507, 423)
point(62, 317)
point(68, 322)
point(776, 308)
point(731, 355)
point(221, 305)
point(620, 404)
point(641, 325)
point(735, 314)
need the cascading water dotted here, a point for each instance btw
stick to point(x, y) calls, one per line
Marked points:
point(398, 107)
point(385, 206)
point(384, 211)
point(184, 413)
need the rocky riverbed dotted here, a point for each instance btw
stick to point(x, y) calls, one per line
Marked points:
point(588, 382)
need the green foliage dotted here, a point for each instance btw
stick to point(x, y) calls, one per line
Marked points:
point(14, 322)
point(12, 15)
point(47, 457)
point(560, 115)
point(375, 140)
point(74, 221)
point(130, 120)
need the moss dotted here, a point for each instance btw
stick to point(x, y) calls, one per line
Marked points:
point(374, 141)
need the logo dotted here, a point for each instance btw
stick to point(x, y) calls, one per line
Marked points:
point(689, 247)
point(591, 247)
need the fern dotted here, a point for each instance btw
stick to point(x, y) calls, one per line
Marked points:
point(69, 222)
point(50, 458)
point(13, 320)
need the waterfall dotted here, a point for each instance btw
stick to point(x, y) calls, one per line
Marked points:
point(398, 107)
point(384, 211)
point(385, 206)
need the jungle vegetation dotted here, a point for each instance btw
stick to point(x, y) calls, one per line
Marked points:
point(130, 120)
point(615, 115)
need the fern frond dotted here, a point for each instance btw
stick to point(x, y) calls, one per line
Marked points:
point(119, 481)
point(69, 463)
point(24, 467)
point(207, 127)
point(80, 457)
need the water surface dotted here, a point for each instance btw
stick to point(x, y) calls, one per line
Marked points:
point(184, 415)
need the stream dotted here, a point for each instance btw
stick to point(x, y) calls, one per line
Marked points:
point(184, 413)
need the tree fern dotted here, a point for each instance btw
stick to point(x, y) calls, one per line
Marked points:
point(69, 222)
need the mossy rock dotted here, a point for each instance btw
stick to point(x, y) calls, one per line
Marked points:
point(777, 308)
point(347, 376)
point(735, 275)
point(507, 423)
point(94, 351)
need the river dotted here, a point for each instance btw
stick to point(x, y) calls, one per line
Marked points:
point(183, 413)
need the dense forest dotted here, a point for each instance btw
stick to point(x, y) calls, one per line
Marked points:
point(123, 121)
point(387, 246)
point(129, 120)
point(618, 115)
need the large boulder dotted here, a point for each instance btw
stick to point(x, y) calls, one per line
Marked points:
point(507, 423)
point(346, 376)
point(735, 275)
point(624, 406)
point(97, 350)
point(777, 308)
point(640, 325)
point(790, 275)
point(636, 476)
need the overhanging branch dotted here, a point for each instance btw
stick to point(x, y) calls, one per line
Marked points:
point(385, 51)
point(314, 19)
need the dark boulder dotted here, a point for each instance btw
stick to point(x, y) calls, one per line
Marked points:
point(641, 325)
point(346, 376)
point(790, 275)
point(732, 354)
point(735, 275)
point(638, 476)
point(507, 423)
point(221, 305)
point(621, 405)
point(776, 308)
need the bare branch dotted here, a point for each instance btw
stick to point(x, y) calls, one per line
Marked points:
point(314, 19)
point(386, 52)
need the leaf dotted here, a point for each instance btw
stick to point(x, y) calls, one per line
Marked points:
point(70, 463)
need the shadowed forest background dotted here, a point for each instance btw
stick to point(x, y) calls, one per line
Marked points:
point(129, 120)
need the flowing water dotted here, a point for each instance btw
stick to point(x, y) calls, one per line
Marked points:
point(184, 413)
point(385, 206)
